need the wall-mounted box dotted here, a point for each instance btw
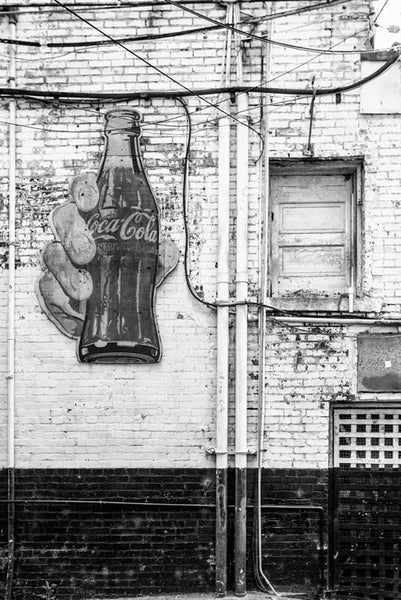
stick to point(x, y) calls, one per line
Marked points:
point(379, 363)
point(382, 95)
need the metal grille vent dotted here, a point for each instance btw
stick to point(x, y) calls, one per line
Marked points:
point(367, 439)
point(367, 504)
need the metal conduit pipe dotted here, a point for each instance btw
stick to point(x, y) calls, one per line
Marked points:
point(93, 502)
point(262, 581)
point(337, 320)
point(11, 258)
point(223, 294)
point(11, 317)
point(222, 351)
point(96, 502)
point(241, 353)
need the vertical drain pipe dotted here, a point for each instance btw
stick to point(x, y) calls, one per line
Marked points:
point(222, 351)
point(223, 295)
point(241, 342)
point(262, 581)
point(11, 318)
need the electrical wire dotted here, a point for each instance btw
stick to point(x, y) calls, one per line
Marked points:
point(87, 6)
point(119, 4)
point(273, 79)
point(298, 11)
point(210, 304)
point(162, 122)
point(217, 26)
point(149, 37)
point(154, 67)
point(97, 112)
point(13, 9)
point(200, 93)
point(263, 39)
point(215, 304)
point(190, 286)
point(380, 12)
point(276, 77)
point(43, 58)
point(47, 130)
point(194, 293)
point(255, 88)
point(123, 97)
point(90, 43)
point(145, 126)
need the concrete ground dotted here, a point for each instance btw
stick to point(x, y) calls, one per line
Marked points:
point(210, 596)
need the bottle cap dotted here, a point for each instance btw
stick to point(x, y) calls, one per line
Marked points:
point(122, 119)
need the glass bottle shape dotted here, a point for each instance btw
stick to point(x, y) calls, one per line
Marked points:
point(120, 324)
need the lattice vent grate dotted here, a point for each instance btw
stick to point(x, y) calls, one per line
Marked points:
point(367, 500)
point(367, 438)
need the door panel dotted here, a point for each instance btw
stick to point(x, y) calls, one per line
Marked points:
point(311, 234)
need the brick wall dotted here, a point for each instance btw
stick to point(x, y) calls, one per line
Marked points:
point(154, 531)
point(57, 142)
point(78, 416)
point(145, 537)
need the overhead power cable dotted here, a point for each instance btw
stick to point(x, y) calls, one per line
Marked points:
point(256, 87)
point(186, 90)
point(120, 4)
point(84, 7)
point(88, 43)
point(199, 93)
point(380, 11)
point(302, 9)
point(38, 7)
point(177, 33)
point(217, 26)
point(298, 66)
point(198, 110)
point(151, 124)
point(260, 38)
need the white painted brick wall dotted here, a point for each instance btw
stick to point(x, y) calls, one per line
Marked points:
point(69, 414)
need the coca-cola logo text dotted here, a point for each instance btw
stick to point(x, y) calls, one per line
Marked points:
point(136, 226)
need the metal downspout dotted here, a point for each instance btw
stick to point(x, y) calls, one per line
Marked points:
point(223, 295)
point(241, 350)
point(222, 352)
point(241, 329)
point(11, 318)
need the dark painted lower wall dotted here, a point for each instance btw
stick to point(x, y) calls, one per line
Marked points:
point(93, 550)
point(292, 552)
point(366, 553)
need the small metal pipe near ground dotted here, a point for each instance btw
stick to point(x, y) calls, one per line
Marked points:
point(241, 352)
point(261, 579)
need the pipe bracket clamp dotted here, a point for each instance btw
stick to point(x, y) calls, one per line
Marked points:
point(231, 451)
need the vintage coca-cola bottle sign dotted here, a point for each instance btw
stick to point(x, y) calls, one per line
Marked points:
point(120, 323)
